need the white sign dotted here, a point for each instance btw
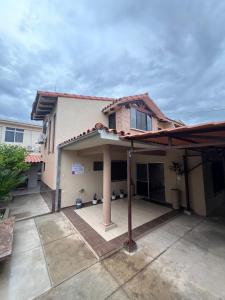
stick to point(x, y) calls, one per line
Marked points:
point(77, 169)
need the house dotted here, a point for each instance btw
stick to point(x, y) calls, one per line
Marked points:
point(20, 133)
point(85, 143)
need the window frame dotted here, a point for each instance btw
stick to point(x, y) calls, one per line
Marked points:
point(114, 120)
point(135, 118)
point(16, 132)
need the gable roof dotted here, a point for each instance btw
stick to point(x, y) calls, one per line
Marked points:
point(45, 101)
point(145, 98)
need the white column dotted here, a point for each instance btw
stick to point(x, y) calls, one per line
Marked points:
point(106, 186)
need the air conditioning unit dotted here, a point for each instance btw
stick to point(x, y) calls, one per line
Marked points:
point(42, 138)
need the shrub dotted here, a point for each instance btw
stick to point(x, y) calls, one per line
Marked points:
point(12, 167)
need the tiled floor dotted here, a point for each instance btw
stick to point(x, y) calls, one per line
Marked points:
point(99, 245)
point(143, 212)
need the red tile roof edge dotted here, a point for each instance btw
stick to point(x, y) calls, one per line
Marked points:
point(145, 97)
point(98, 126)
point(33, 158)
point(185, 128)
point(76, 96)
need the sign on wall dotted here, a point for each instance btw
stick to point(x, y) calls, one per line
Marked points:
point(77, 169)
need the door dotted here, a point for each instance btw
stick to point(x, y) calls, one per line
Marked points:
point(156, 182)
point(150, 181)
point(142, 180)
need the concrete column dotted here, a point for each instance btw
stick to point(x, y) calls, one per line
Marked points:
point(106, 186)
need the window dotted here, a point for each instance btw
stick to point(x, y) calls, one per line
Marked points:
point(49, 136)
point(118, 170)
point(218, 178)
point(14, 135)
point(140, 120)
point(112, 121)
point(53, 134)
point(98, 166)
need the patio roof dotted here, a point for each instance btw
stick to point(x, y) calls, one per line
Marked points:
point(196, 136)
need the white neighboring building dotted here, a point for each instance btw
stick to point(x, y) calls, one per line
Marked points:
point(19, 133)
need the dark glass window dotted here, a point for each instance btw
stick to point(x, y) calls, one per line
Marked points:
point(112, 121)
point(98, 166)
point(14, 135)
point(140, 120)
point(218, 177)
point(118, 170)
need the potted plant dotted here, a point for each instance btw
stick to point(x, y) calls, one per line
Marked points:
point(79, 200)
point(121, 194)
point(95, 199)
point(113, 195)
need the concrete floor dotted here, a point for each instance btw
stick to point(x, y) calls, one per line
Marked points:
point(143, 212)
point(183, 259)
point(26, 206)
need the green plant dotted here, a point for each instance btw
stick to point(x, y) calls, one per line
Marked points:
point(12, 166)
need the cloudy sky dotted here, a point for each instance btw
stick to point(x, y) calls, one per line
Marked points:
point(172, 49)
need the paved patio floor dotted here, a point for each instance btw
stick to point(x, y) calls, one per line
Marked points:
point(142, 212)
point(29, 205)
point(183, 259)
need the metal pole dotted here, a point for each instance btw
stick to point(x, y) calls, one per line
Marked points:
point(58, 179)
point(129, 244)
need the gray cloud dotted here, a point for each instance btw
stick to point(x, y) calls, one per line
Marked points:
point(175, 50)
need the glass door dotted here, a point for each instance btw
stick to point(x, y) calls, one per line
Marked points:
point(142, 180)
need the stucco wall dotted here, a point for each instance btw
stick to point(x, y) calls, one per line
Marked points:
point(73, 116)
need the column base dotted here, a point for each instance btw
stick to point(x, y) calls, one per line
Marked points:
point(130, 246)
point(109, 226)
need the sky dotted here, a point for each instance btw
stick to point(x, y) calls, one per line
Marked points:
point(172, 49)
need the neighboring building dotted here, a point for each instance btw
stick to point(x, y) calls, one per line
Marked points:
point(20, 133)
point(84, 146)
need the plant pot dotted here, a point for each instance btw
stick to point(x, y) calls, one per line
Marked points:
point(78, 203)
point(94, 201)
point(121, 196)
point(113, 197)
point(175, 196)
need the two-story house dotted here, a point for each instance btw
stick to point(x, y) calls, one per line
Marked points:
point(84, 133)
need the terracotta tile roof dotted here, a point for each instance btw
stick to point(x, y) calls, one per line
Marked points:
point(98, 126)
point(76, 96)
point(144, 97)
point(33, 158)
point(195, 134)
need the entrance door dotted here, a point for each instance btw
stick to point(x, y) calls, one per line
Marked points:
point(156, 182)
point(150, 181)
point(142, 180)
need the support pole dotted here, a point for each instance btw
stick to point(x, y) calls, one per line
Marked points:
point(107, 187)
point(186, 182)
point(129, 244)
point(58, 181)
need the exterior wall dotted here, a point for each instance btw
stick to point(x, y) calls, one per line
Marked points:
point(73, 116)
point(30, 136)
point(91, 181)
point(196, 184)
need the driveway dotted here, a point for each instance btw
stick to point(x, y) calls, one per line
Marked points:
point(183, 259)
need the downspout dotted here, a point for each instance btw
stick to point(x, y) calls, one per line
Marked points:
point(58, 179)
point(186, 182)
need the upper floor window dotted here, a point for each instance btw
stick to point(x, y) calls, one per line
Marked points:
point(112, 121)
point(140, 120)
point(14, 135)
